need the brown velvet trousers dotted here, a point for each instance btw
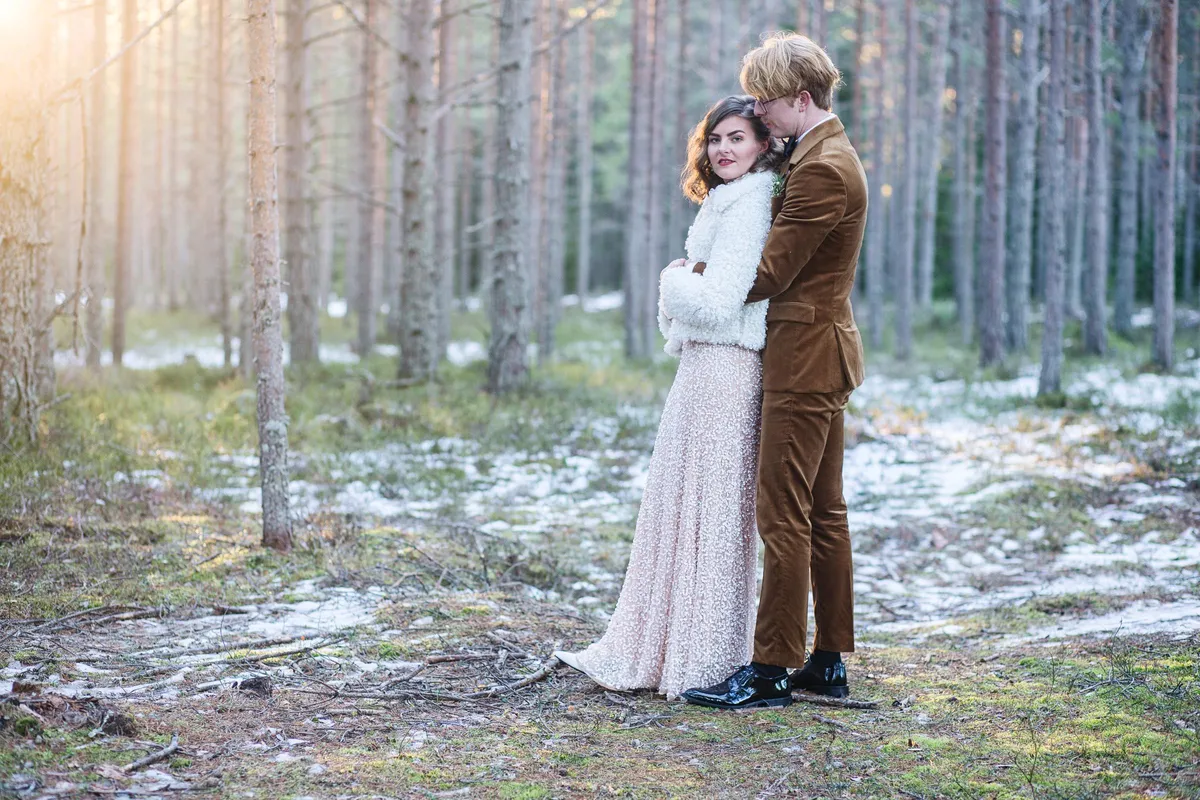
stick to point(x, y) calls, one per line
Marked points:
point(802, 522)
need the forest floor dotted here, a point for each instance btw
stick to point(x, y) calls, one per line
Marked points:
point(1027, 582)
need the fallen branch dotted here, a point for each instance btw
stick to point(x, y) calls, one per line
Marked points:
point(258, 644)
point(543, 673)
point(154, 758)
point(833, 702)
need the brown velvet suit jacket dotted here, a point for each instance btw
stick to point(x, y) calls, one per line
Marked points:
point(808, 267)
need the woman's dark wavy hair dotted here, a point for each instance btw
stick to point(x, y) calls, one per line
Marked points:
point(698, 175)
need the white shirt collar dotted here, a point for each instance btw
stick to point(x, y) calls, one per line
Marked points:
point(828, 116)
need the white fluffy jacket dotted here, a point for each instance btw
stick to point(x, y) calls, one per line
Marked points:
point(728, 235)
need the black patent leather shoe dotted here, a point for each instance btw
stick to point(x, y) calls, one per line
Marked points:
point(829, 681)
point(743, 689)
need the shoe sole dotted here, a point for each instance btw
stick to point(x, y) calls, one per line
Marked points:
point(778, 702)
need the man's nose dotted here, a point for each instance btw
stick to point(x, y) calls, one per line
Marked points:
point(758, 108)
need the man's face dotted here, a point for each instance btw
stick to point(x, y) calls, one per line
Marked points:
point(783, 116)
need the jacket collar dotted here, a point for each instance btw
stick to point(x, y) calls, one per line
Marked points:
point(818, 133)
point(721, 197)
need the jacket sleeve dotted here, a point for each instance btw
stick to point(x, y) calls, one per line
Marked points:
point(716, 297)
point(815, 203)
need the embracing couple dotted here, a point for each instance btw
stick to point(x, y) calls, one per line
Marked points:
point(751, 436)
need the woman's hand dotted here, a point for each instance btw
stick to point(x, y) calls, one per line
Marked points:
point(679, 262)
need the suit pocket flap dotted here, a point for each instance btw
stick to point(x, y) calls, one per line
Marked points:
point(791, 312)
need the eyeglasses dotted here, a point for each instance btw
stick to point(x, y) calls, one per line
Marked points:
point(762, 104)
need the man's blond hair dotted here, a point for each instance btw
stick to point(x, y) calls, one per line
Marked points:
point(787, 64)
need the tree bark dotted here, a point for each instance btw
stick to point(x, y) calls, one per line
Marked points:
point(507, 311)
point(302, 311)
point(364, 305)
point(268, 331)
point(905, 295)
point(218, 176)
point(97, 162)
point(991, 338)
point(1191, 181)
point(963, 232)
point(393, 272)
point(876, 220)
point(419, 316)
point(933, 159)
point(126, 177)
point(1050, 379)
point(555, 191)
point(1095, 331)
point(638, 224)
point(653, 257)
point(446, 169)
point(26, 369)
point(1024, 161)
point(1164, 198)
point(1132, 45)
point(583, 158)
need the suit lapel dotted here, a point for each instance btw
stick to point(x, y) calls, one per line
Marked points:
point(823, 131)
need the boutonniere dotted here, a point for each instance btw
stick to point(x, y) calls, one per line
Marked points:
point(777, 184)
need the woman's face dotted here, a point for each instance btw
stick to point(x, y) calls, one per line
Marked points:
point(733, 149)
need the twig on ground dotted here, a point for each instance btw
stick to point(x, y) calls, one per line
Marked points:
point(154, 758)
point(833, 702)
point(222, 648)
point(543, 673)
point(507, 645)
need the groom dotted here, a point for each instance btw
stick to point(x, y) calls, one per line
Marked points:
point(812, 361)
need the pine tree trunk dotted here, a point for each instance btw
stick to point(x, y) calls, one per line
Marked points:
point(876, 220)
point(652, 258)
point(1095, 332)
point(327, 214)
point(199, 188)
point(178, 249)
point(1191, 182)
point(1050, 379)
point(905, 296)
point(583, 125)
point(393, 272)
point(534, 249)
point(26, 368)
point(638, 224)
point(489, 152)
point(302, 311)
point(818, 24)
point(1020, 254)
point(995, 196)
point(364, 301)
point(419, 315)
point(466, 205)
point(507, 309)
point(555, 191)
point(1164, 196)
point(1133, 55)
point(268, 330)
point(679, 214)
point(220, 163)
point(446, 169)
point(126, 177)
point(862, 125)
point(933, 159)
point(97, 163)
point(964, 182)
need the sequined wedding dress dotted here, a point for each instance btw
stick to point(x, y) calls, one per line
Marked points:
point(685, 616)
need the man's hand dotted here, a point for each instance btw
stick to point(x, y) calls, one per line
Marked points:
point(699, 267)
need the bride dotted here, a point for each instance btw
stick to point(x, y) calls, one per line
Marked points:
point(685, 616)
